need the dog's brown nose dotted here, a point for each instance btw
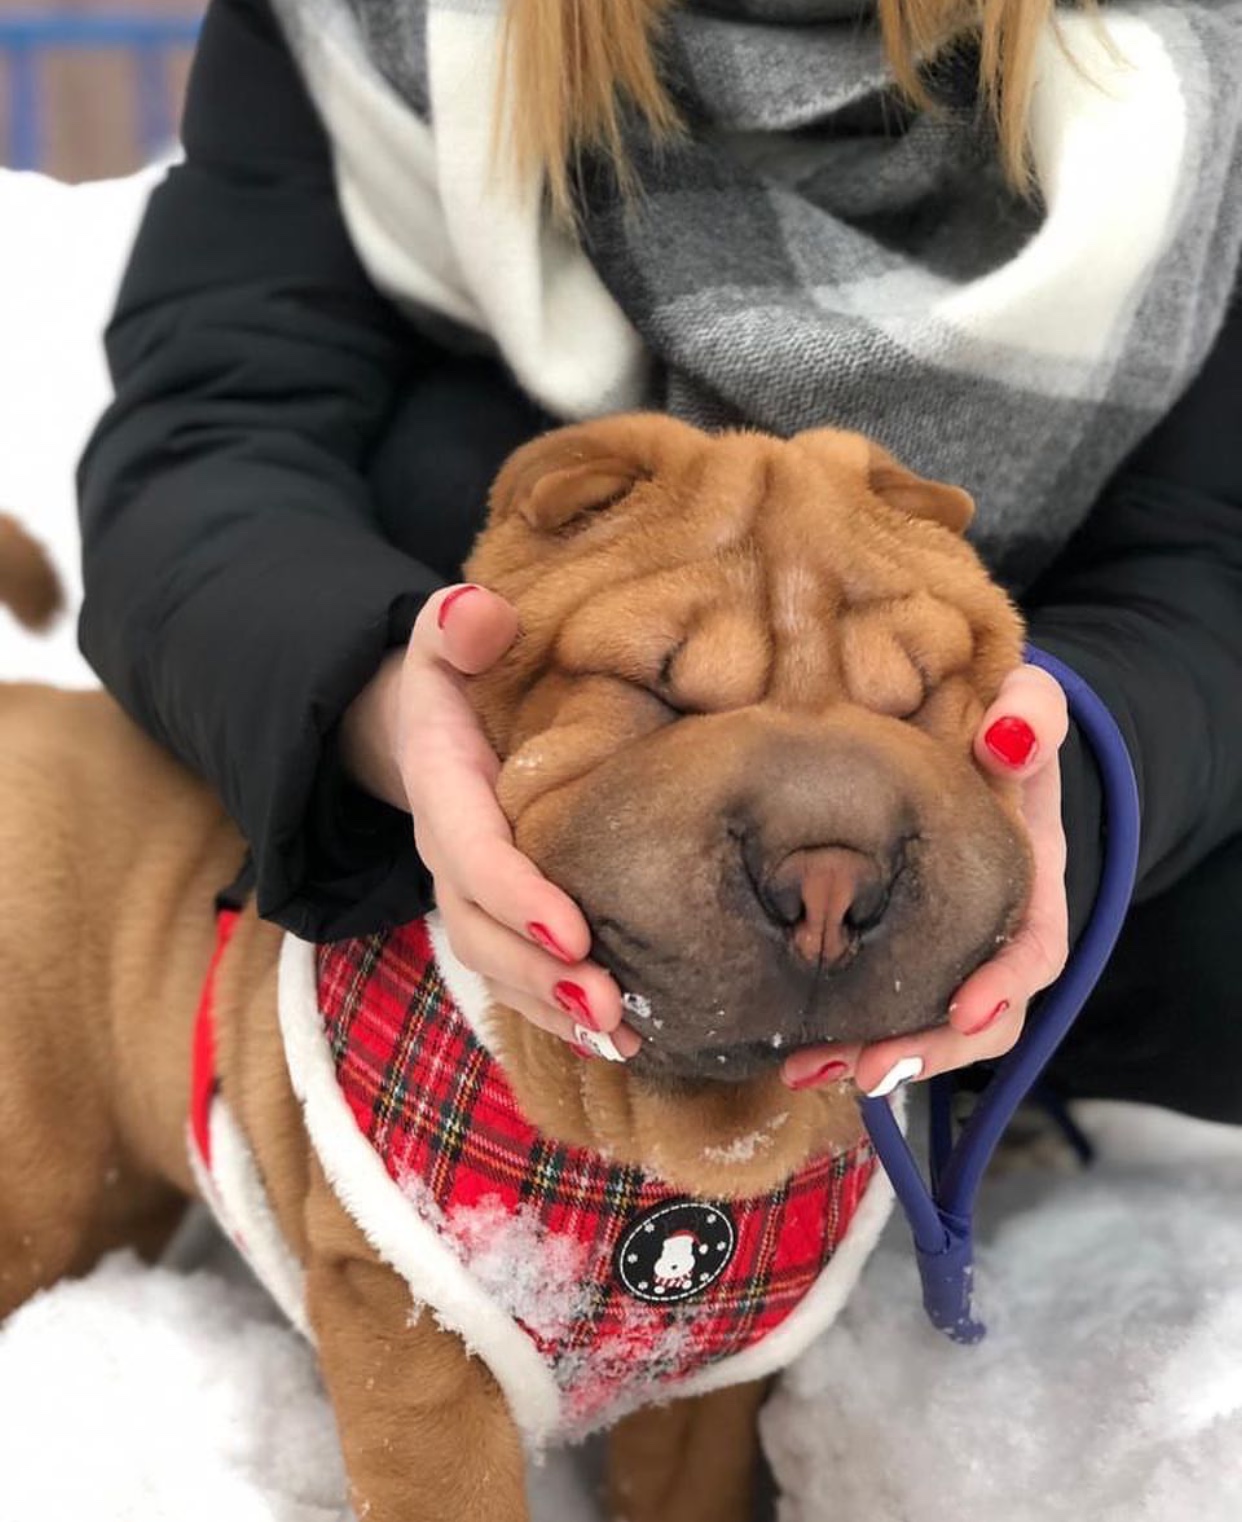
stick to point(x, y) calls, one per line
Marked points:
point(827, 897)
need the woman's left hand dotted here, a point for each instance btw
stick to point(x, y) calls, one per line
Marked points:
point(1020, 737)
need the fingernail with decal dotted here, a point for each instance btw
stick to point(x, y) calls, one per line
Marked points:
point(455, 596)
point(828, 1072)
point(900, 1072)
point(573, 1000)
point(542, 936)
point(1011, 740)
point(988, 1020)
point(597, 1044)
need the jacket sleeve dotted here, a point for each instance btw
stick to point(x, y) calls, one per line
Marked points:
point(1146, 605)
point(240, 586)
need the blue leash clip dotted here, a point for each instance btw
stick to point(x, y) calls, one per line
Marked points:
point(941, 1216)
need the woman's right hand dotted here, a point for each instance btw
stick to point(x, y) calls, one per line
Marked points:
point(412, 739)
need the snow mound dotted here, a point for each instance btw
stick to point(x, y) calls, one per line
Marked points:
point(142, 1395)
point(147, 1395)
point(1109, 1386)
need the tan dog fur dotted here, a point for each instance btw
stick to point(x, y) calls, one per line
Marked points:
point(112, 854)
point(28, 585)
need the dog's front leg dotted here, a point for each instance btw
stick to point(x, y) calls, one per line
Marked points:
point(425, 1431)
point(692, 1461)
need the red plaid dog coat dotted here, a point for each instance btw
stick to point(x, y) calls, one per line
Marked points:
point(588, 1288)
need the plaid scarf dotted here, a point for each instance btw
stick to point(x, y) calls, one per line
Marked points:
point(815, 253)
point(625, 1286)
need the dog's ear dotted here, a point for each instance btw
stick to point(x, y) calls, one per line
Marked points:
point(559, 481)
point(921, 498)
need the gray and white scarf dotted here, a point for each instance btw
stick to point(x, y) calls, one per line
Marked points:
point(813, 254)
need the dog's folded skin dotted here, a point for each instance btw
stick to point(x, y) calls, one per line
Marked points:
point(737, 728)
point(738, 731)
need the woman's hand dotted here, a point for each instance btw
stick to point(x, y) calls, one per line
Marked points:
point(1020, 737)
point(412, 739)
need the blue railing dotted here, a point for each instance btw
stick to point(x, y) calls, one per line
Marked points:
point(26, 41)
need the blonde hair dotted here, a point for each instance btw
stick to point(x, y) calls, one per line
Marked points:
point(572, 66)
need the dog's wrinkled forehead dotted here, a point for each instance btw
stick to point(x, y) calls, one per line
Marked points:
point(719, 571)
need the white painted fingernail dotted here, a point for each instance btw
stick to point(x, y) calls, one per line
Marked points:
point(900, 1072)
point(597, 1042)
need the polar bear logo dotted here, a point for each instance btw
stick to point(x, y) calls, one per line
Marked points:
point(674, 1268)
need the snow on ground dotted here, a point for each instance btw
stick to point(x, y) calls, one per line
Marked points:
point(62, 249)
point(1109, 1389)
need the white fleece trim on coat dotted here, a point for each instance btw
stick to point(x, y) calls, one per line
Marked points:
point(407, 1244)
point(822, 1303)
point(468, 991)
point(234, 1191)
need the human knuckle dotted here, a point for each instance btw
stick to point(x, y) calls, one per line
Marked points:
point(1051, 953)
point(462, 937)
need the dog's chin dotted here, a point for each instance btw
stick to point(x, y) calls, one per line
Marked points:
point(672, 1060)
point(664, 1071)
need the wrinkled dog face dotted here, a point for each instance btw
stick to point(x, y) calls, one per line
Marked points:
point(737, 730)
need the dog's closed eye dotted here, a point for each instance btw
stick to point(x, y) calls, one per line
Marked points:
point(722, 663)
point(664, 677)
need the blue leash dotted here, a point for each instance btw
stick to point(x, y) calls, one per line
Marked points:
point(941, 1217)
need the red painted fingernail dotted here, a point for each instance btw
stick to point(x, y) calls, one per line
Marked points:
point(989, 1020)
point(573, 1001)
point(544, 937)
point(581, 1051)
point(1011, 741)
point(829, 1072)
point(454, 596)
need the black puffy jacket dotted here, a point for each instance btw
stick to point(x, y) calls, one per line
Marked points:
point(289, 469)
